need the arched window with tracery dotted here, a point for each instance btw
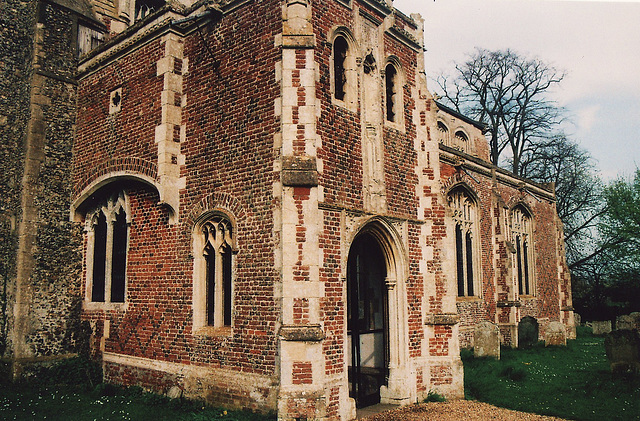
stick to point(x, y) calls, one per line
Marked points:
point(107, 244)
point(461, 141)
point(464, 212)
point(522, 237)
point(443, 133)
point(213, 273)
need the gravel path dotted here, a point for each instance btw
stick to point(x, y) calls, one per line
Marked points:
point(456, 410)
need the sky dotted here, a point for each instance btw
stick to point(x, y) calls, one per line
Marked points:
point(597, 44)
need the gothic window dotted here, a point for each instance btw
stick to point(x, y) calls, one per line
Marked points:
point(145, 7)
point(462, 141)
point(108, 231)
point(443, 133)
point(522, 236)
point(465, 220)
point(340, 49)
point(213, 273)
point(390, 76)
point(344, 75)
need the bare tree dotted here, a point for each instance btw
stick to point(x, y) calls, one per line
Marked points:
point(508, 93)
point(579, 192)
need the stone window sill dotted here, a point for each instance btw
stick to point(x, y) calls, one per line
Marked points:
point(104, 306)
point(213, 331)
point(468, 299)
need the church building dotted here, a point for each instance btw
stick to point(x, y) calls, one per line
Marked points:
point(263, 206)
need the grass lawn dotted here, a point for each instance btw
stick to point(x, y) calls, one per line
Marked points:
point(571, 382)
point(56, 394)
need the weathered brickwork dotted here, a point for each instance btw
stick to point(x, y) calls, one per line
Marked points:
point(299, 138)
point(497, 193)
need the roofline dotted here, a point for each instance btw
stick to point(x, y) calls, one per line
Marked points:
point(475, 123)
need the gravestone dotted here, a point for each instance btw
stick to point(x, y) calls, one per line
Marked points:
point(601, 327)
point(486, 340)
point(636, 319)
point(623, 351)
point(555, 334)
point(527, 332)
point(625, 322)
point(577, 318)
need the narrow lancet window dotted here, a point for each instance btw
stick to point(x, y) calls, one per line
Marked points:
point(460, 262)
point(469, 250)
point(119, 258)
point(340, 48)
point(390, 86)
point(99, 258)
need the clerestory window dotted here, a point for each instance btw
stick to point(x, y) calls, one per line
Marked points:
point(107, 242)
point(461, 141)
point(213, 273)
point(464, 211)
point(145, 7)
point(443, 133)
point(522, 235)
point(391, 87)
point(343, 72)
point(340, 48)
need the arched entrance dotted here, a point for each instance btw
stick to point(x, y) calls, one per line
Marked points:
point(367, 320)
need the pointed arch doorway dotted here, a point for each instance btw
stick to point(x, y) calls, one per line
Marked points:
point(367, 320)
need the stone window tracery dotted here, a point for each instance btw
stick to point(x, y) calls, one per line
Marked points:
point(464, 212)
point(461, 141)
point(443, 133)
point(522, 235)
point(107, 245)
point(145, 7)
point(213, 273)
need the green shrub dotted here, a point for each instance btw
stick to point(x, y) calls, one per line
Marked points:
point(433, 396)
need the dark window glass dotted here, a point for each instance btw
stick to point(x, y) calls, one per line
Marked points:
point(459, 261)
point(469, 251)
point(119, 258)
point(519, 257)
point(525, 258)
point(210, 260)
point(226, 283)
point(339, 58)
point(99, 258)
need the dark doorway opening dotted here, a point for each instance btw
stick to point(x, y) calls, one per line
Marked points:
point(367, 320)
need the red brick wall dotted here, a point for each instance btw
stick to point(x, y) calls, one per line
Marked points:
point(130, 134)
point(230, 125)
point(545, 304)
